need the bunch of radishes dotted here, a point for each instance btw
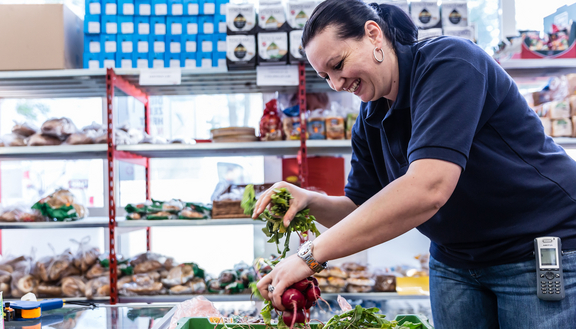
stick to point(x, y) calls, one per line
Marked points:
point(298, 299)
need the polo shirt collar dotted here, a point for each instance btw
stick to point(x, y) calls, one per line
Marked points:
point(377, 111)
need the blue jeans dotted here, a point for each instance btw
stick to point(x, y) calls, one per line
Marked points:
point(502, 296)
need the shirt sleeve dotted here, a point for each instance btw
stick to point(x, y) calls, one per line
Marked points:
point(447, 102)
point(363, 182)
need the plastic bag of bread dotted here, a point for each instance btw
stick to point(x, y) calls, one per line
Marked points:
point(385, 282)
point(59, 128)
point(24, 129)
point(61, 206)
point(86, 256)
point(96, 271)
point(101, 137)
point(22, 283)
point(123, 280)
point(59, 265)
point(13, 140)
point(179, 275)
point(42, 140)
point(73, 286)
point(40, 270)
point(133, 288)
point(147, 262)
point(5, 278)
point(21, 213)
point(49, 290)
point(337, 272)
point(81, 138)
point(99, 287)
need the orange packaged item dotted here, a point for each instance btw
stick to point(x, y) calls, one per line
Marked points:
point(335, 128)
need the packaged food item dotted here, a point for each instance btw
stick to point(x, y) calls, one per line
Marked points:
point(22, 283)
point(385, 283)
point(147, 266)
point(233, 134)
point(296, 51)
point(25, 129)
point(316, 128)
point(180, 290)
point(98, 287)
point(96, 271)
point(188, 213)
point(43, 140)
point(271, 16)
point(560, 109)
point(337, 272)
point(272, 48)
point(59, 265)
point(454, 14)
point(61, 206)
point(240, 52)
point(240, 18)
point(161, 215)
point(80, 138)
point(426, 14)
point(59, 128)
point(86, 256)
point(49, 290)
point(172, 206)
point(73, 286)
point(154, 288)
point(561, 127)
point(13, 140)
point(270, 124)
point(350, 120)
point(299, 11)
point(179, 275)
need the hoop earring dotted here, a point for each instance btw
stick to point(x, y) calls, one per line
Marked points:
point(376, 58)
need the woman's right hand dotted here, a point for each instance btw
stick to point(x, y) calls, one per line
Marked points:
point(300, 200)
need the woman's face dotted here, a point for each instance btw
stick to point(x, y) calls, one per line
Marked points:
point(349, 65)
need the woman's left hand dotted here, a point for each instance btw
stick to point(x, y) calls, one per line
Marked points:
point(289, 271)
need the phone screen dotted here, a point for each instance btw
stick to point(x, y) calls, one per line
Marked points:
point(548, 257)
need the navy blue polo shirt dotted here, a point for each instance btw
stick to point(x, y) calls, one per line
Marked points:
point(455, 103)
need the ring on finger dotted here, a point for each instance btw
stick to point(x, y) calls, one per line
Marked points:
point(270, 288)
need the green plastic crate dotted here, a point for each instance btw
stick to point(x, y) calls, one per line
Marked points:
point(204, 323)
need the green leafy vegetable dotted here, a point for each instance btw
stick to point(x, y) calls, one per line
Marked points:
point(364, 318)
point(275, 229)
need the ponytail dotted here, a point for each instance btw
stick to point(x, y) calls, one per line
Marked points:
point(350, 16)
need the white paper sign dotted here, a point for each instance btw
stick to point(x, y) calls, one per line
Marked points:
point(159, 29)
point(127, 27)
point(281, 75)
point(94, 64)
point(112, 28)
point(207, 46)
point(110, 46)
point(192, 28)
point(206, 63)
point(161, 9)
point(209, 8)
point(208, 28)
point(143, 28)
point(144, 9)
point(190, 46)
point(126, 63)
point(94, 8)
point(190, 63)
point(174, 63)
point(93, 27)
point(142, 63)
point(192, 9)
point(175, 47)
point(142, 46)
point(94, 47)
point(177, 9)
point(111, 9)
point(127, 46)
point(159, 46)
point(176, 28)
point(160, 77)
point(128, 9)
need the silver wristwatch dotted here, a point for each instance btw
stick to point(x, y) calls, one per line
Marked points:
point(305, 252)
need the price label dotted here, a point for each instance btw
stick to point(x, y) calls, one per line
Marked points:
point(284, 75)
point(160, 77)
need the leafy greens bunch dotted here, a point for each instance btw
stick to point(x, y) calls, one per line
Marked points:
point(275, 229)
point(364, 318)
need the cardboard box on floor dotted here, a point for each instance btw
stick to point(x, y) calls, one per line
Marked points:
point(40, 37)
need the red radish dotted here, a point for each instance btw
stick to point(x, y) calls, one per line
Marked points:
point(314, 281)
point(291, 318)
point(302, 285)
point(293, 299)
point(309, 304)
point(313, 293)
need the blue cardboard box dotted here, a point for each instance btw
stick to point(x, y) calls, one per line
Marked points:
point(108, 43)
point(174, 25)
point(173, 60)
point(191, 7)
point(203, 60)
point(92, 61)
point(125, 44)
point(221, 7)
point(141, 44)
point(93, 7)
point(159, 7)
point(141, 60)
point(108, 60)
point(109, 24)
point(207, 7)
point(126, 24)
point(157, 44)
point(189, 60)
point(110, 7)
point(190, 25)
point(142, 25)
point(126, 7)
point(220, 41)
point(220, 24)
point(206, 24)
point(174, 44)
point(206, 43)
point(92, 24)
point(158, 25)
point(190, 44)
point(175, 8)
point(157, 60)
point(143, 7)
point(92, 44)
point(125, 61)
point(219, 59)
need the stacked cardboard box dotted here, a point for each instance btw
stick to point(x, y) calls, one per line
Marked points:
point(155, 33)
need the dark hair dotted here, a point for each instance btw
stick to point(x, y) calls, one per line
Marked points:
point(350, 16)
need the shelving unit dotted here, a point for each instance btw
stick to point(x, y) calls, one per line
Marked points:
point(108, 83)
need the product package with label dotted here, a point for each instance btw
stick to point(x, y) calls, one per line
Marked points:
point(299, 12)
point(241, 18)
point(462, 32)
point(272, 16)
point(454, 14)
point(426, 14)
point(296, 51)
point(241, 52)
point(272, 48)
